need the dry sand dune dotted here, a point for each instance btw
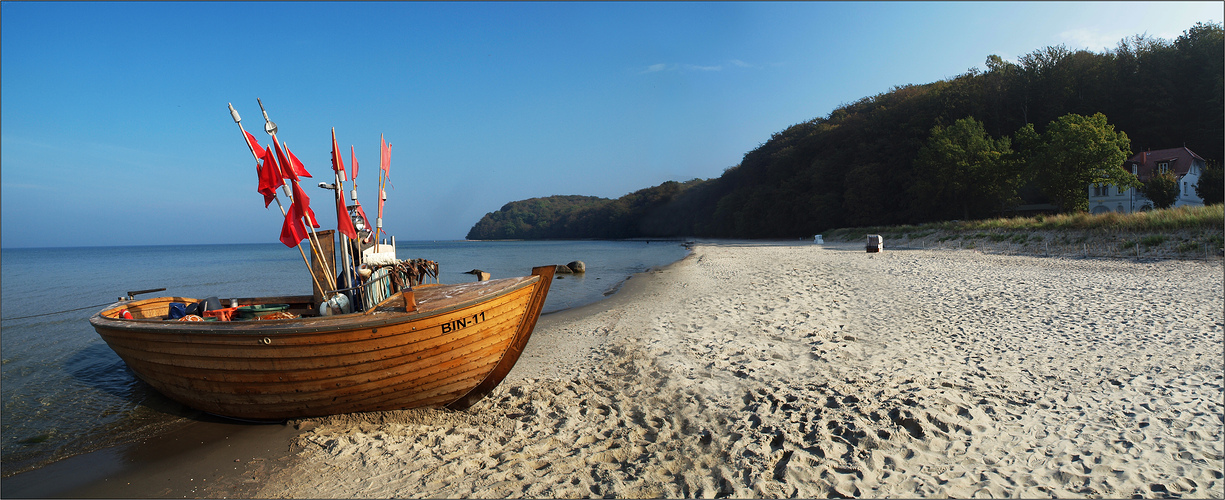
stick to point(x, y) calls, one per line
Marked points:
point(780, 371)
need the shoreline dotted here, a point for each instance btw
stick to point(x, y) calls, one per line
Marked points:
point(783, 368)
point(222, 454)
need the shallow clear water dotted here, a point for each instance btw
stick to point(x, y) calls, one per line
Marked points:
point(65, 392)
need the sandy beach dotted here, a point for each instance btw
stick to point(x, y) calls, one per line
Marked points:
point(779, 370)
point(764, 370)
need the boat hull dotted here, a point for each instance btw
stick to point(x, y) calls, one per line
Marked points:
point(452, 350)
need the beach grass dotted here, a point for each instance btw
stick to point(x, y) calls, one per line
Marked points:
point(1171, 219)
point(1183, 232)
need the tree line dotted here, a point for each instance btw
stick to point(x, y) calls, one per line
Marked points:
point(1040, 130)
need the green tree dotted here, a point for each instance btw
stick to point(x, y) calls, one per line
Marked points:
point(1211, 185)
point(1161, 189)
point(1199, 70)
point(1073, 153)
point(961, 167)
point(853, 165)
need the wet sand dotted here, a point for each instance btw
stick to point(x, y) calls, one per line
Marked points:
point(764, 370)
point(212, 458)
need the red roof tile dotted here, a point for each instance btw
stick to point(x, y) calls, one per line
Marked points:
point(1146, 162)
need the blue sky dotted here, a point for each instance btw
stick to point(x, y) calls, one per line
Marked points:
point(115, 131)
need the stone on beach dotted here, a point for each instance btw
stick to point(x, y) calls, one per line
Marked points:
point(574, 267)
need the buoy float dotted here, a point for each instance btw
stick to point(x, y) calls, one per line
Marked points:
point(125, 314)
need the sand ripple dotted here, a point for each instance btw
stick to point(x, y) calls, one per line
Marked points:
point(780, 371)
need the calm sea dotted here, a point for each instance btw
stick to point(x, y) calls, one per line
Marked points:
point(65, 392)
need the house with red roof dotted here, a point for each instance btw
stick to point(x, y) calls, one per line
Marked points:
point(1185, 164)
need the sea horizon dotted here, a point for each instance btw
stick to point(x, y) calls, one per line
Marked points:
point(398, 241)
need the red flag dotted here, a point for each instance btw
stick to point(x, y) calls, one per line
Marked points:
point(338, 164)
point(354, 158)
point(255, 147)
point(304, 203)
point(387, 170)
point(344, 224)
point(269, 178)
point(296, 164)
point(384, 155)
point(292, 230)
point(282, 163)
point(385, 164)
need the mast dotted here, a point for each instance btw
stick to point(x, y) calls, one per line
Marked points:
point(250, 147)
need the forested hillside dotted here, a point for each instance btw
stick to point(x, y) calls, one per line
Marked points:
point(571, 217)
point(861, 165)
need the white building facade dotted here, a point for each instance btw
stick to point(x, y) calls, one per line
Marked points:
point(1185, 164)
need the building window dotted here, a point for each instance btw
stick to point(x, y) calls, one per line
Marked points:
point(1163, 167)
point(1120, 190)
point(1184, 188)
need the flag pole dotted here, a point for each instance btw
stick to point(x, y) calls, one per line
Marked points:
point(316, 247)
point(353, 195)
point(359, 256)
point(378, 222)
point(384, 165)
point(313, 237)
point(238, 120)
point(340, 197)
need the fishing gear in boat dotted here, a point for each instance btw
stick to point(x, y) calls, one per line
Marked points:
point(377, 282)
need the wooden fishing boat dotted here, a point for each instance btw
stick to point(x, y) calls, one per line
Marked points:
point(431, 345)
point(373, 336)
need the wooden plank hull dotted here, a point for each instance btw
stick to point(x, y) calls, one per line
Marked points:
point(457, 345)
